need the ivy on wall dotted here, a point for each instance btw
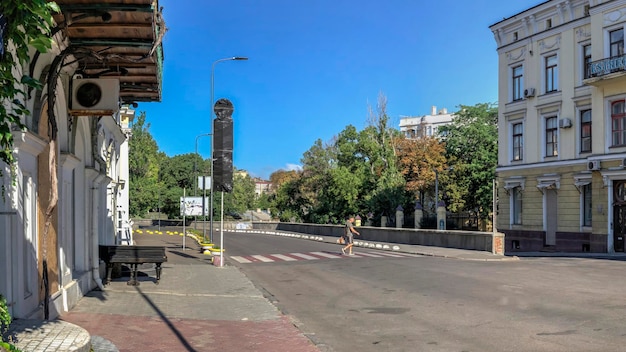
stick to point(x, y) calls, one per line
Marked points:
point(24, 24)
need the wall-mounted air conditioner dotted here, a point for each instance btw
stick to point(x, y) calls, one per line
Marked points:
point(99, 96)
point(529, 92)
point(593, 165)
point(565, 123)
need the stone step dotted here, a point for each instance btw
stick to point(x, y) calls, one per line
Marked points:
point(43, 335)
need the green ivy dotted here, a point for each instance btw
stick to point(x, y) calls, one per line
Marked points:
point(5, 320)
point(29, 24)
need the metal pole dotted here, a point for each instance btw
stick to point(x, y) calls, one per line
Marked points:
point(184, 211)
point(235, 58)
point(222, 233)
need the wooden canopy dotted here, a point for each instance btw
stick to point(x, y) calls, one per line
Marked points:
point(117, 39)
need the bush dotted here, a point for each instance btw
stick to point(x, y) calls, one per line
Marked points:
point(5, 321)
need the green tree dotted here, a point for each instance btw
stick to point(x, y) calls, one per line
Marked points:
point(242, 197)
point(143, 165)
point(472, 150)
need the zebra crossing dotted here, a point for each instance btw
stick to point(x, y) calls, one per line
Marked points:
point(291, 257)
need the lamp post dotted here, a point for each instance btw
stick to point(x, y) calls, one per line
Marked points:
point(234, 58)
point(195, 171)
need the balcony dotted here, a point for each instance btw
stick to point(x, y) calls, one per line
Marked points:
point(605, 70)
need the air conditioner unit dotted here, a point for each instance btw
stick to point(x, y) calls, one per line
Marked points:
point(565, 123)
point(593, 165)
point(100, 96)
point(529, 92)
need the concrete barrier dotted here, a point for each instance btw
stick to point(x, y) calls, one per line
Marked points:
point(472, 240)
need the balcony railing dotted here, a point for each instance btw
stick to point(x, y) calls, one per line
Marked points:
point(605, 66)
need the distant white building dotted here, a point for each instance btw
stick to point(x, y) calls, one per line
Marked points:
point(425, 126)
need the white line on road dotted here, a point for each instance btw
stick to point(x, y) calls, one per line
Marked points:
point(263, 259)
point(240, 259)
point(327, 255)
point(305, 256)
point(284, 257)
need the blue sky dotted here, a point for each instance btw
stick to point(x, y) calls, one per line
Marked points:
point(315, 66)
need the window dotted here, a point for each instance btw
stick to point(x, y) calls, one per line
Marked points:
point(585, 131)
point(587, 209)
point(552, 73)
point(518, 82)
point(552, 136)
point(518, 141)
point(618, 123)
point(586, 60)
point(516, 206)
point(515, 37)
point(616, 40)
point(548, 23)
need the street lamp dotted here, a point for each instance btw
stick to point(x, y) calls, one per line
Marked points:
point(234, 58)
point(195, 172)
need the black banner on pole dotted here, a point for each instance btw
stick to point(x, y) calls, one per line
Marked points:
point(223, 146)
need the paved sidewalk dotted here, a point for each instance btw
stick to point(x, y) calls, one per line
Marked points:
point(196, 307)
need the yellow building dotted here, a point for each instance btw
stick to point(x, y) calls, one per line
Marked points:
point(562, 126)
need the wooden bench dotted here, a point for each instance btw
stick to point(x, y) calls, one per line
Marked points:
point(134, 256)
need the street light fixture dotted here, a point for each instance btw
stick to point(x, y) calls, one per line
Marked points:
point(234, 58)
point(195, 172)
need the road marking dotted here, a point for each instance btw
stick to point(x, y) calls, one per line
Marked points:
point(327, 255)
point(263, 259)
point(241, 259)
point(284, 257)
point(367, 254)
point(304, 256)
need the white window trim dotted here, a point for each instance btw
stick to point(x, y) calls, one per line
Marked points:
point(510, 184)
point(581, 57)
point(543, 71)
point(511, 123)
point(581, 180)
point(548, 182)
point(511, 82)
point(544, 118)
point(578, 109)
point(608, 123)
point(607, 38)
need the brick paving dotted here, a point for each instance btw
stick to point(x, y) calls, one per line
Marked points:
point(196, 307)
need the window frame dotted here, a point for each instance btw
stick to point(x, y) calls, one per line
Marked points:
point(619, 44)
point(585, 139)
point(517, 83)
point(551, 73)
point(586, 205)
point(517, 141)
point(551, 136)
point(517, 202)
point(586, 59)
point(620, 118)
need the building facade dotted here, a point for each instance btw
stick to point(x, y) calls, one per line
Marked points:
point(68, 192)
point(562, 127)
point(425, 126)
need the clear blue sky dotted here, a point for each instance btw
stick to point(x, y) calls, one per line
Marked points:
point(314, 68)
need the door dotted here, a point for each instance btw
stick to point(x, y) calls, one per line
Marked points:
point(551, 217)
point(619, 215)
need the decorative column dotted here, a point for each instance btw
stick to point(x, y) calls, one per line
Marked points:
point(419, 214)
point(399, 217)
point(383, 221)
point(357, 220)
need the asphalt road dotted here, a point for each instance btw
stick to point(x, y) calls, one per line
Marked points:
point(415, 303)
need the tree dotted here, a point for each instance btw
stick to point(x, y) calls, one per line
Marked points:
point(143, 166)
point(472, 149)
point(418, 159)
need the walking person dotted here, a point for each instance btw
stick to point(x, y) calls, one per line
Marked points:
point(349, 233)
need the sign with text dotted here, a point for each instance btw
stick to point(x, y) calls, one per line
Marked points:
point(193, 206)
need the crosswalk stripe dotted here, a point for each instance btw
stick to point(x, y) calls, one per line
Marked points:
point(305, 256)
point(365, 254)
point(263, 259)
point(327, 255)
point(284, 257)
point(241, 259)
